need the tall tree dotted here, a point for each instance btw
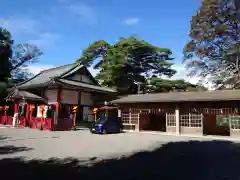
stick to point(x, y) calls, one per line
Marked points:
point(215, 30)
point(13, 58)
point(128, 62)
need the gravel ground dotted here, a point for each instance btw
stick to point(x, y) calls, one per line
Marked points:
point(32, 154)
point(81, 144)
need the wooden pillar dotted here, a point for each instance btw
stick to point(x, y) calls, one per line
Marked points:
point(74, 110)
point(79, 97)
point(5, 115)
point(15, 107)
point(177, 114)
point(58, 99)
point(57, 106)
point(27, 115)
point(79, 103)
point(31, 109)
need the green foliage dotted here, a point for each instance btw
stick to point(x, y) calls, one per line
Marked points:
point(156, 84)
point(14, 58)
point(215, 30)
point(128, 62)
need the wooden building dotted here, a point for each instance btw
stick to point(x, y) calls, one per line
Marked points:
point(198, 113)
point(58, 90)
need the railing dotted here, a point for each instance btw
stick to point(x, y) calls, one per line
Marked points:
point(37, 123)
point(41, 123)
point(6, 120)
point(21, 121)
point(47, 124)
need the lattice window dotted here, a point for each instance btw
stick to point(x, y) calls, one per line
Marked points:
point(235, 122)
point(125, 118)
point(195, 120)
point(171, 119)
point(191, 120)
point(184, 120)
point(144, 111)
point(134, 118)
point(218, 111)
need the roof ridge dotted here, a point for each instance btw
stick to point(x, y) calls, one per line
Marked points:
point(16, 85)
point(187, 92)
point(57, 67)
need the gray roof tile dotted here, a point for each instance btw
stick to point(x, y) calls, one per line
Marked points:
point(45, 76)
point(16, 94)
point(181, 97)
point(85, 85)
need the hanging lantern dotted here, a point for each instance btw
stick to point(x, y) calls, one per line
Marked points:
point(75, 109)
point(95, 110)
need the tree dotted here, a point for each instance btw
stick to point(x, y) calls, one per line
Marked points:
point(215, 30)
point(156, 84)
point(14, 58)
point(128, 62)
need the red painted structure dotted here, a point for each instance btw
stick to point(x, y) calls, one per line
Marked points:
point(27, 120)
point(38, 123)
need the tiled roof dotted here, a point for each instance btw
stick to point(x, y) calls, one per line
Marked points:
point(16, 94)
point(181, 97)
point(59, 73)
point(45, 76)
point(85, 85)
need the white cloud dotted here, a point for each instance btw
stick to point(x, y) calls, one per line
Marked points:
point(19, 24)
point(27, 27)
point(45, 40)
point(37, 68)
point(182, 74)
point(131, 21)
point(83, 12)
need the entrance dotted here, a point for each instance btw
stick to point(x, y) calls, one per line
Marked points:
point(216, 125)
point(152, 122)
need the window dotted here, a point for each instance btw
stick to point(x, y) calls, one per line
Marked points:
point(196, 120)
point(171, 119)
point(134, 118)
point(125, 118)
point(191, 120)
point(184, 120)
point(235, 122)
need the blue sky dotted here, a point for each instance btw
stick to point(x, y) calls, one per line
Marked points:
point(63, 28)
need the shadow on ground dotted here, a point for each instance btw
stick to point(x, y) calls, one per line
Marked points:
point(213, 160)
point(12, 149)
point(83, 125)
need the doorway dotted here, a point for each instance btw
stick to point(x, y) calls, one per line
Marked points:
point(153, 122)
point(216, 125)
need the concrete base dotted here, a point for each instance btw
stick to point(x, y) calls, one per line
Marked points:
point(226, 138)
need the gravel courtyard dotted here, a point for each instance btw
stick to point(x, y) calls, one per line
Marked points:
point(32, 154)
point(80, 144)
